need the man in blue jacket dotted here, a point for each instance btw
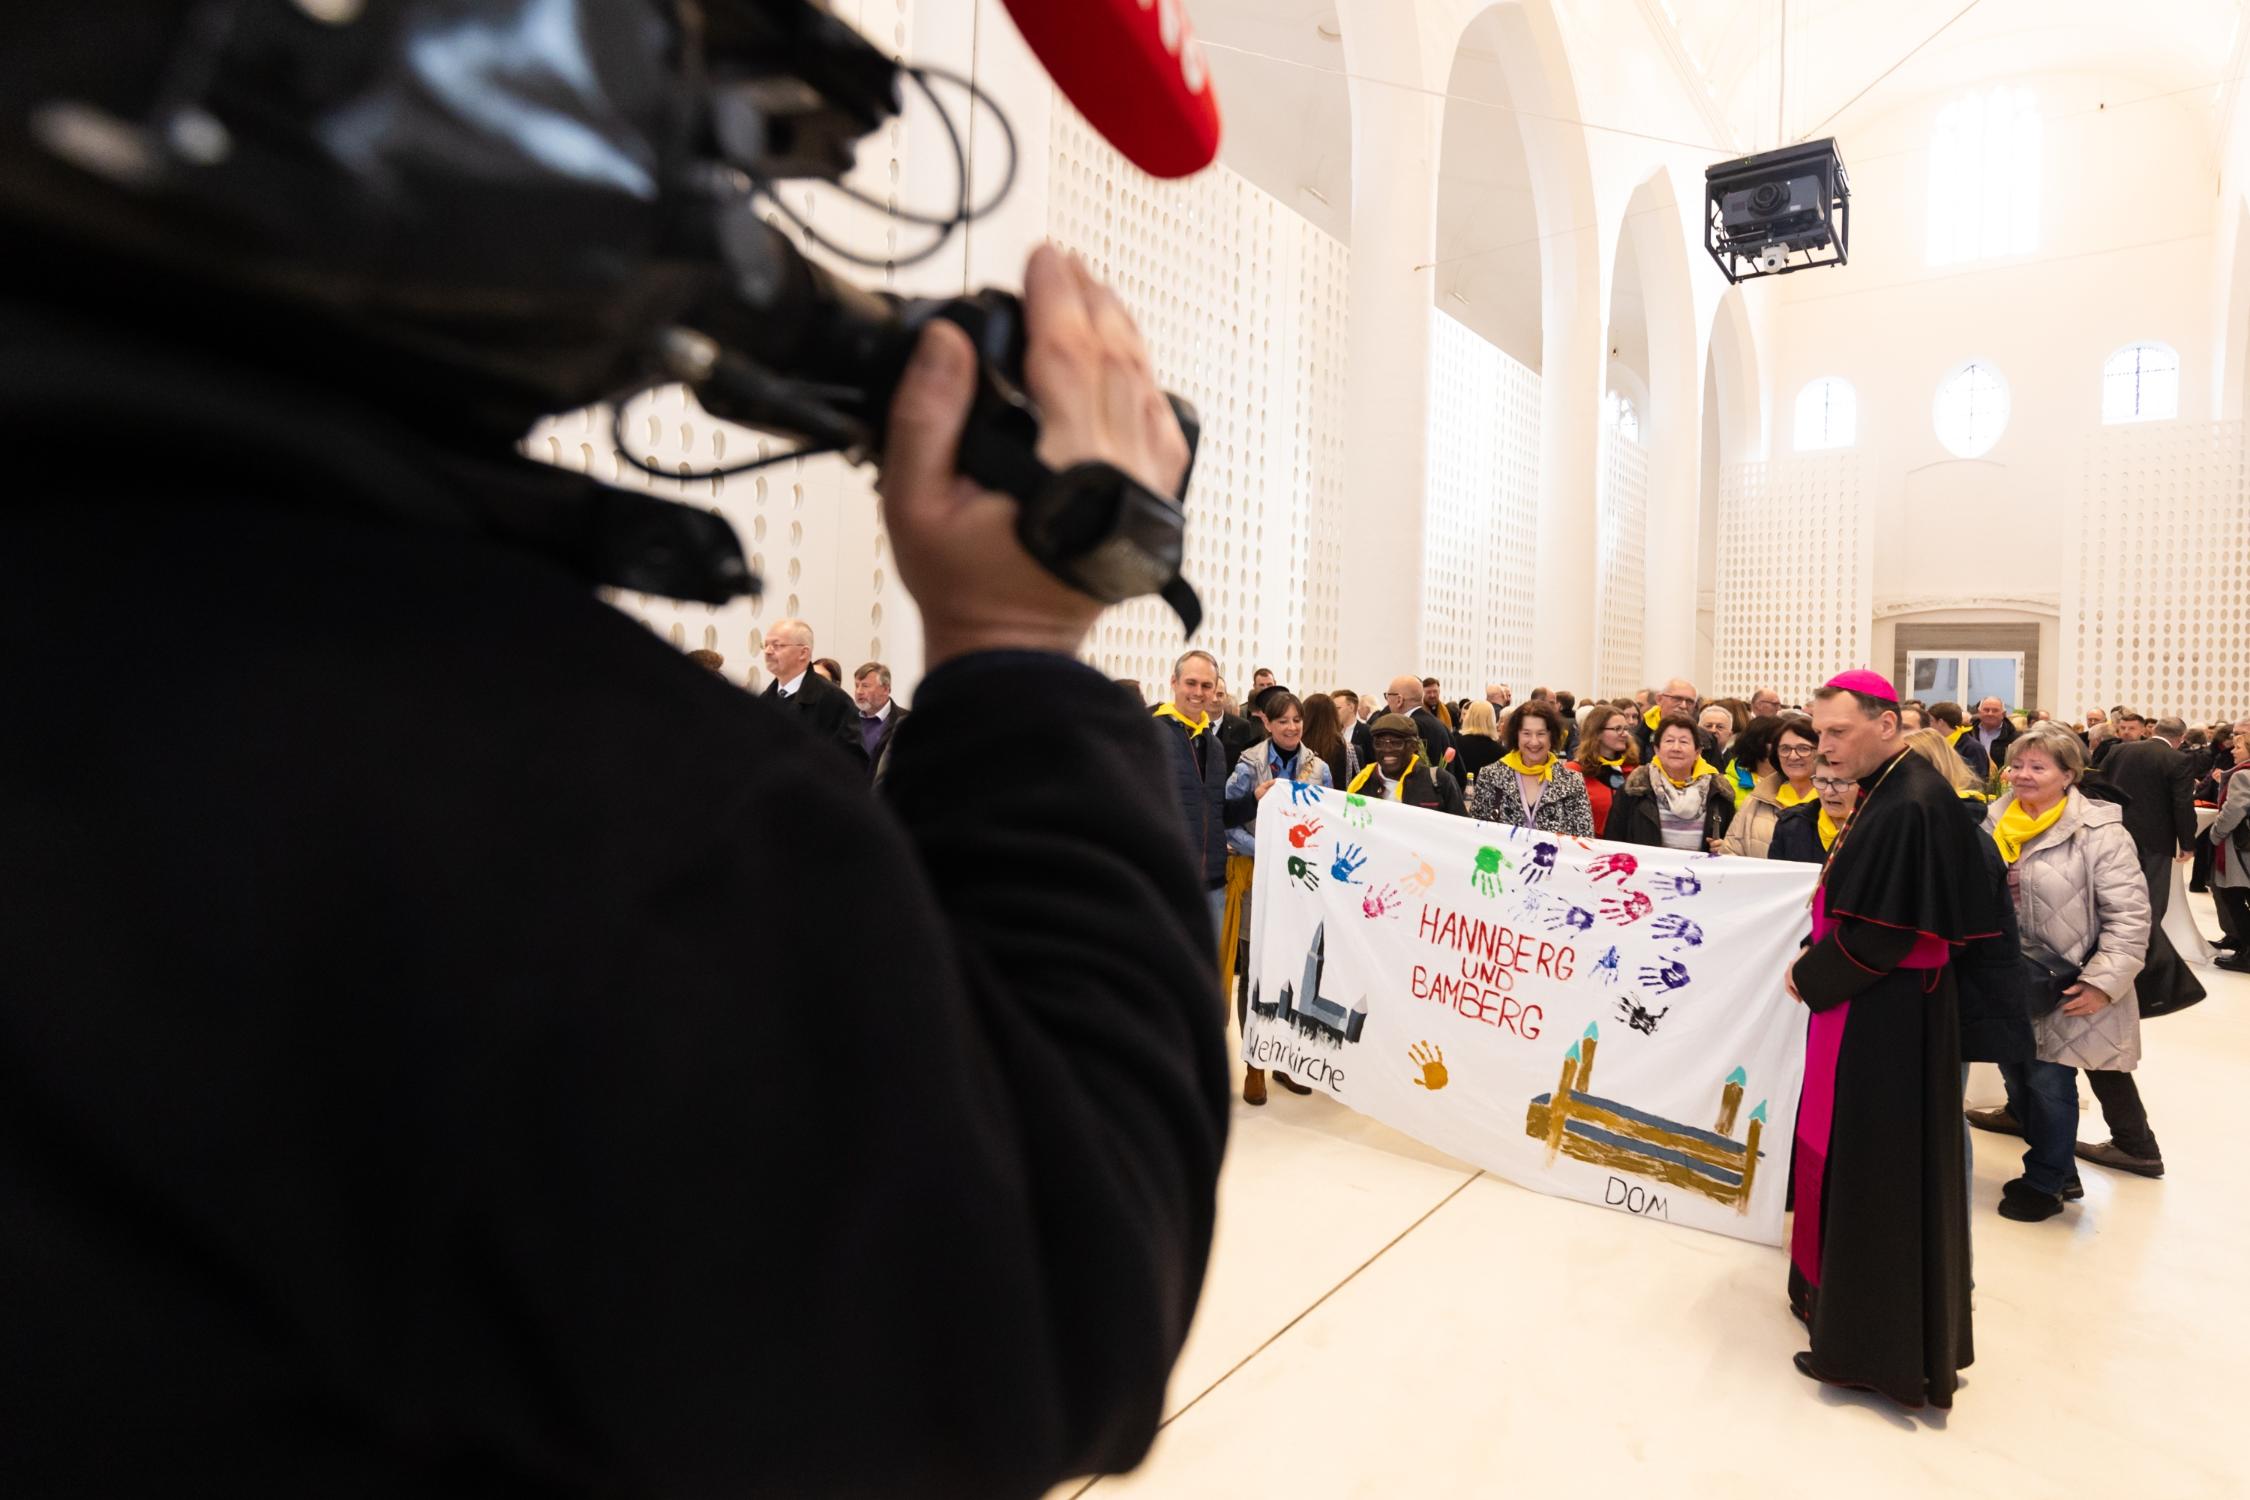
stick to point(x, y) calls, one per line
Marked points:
point(1199, 769)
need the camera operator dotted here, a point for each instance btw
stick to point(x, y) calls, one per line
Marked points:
point(424, 1068)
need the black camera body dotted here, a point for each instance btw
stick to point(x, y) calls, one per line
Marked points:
point(1778, 212)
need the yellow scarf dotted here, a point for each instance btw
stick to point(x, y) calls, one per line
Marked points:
point(1789, 796)
point(1398, 787)
point(1167, 711)
point(1828, 830)
point(1702, 768)
point(2017, 827)
point(1615, 765)
point(1955, 737)
point(1652, 718)
point(1545, 770)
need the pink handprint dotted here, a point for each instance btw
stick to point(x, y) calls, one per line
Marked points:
point(1627, 907)
point(1382, 903)
point(1620, 865)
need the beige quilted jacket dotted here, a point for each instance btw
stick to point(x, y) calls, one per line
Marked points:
point(2079, 889)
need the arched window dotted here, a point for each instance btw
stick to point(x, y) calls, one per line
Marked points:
point(1623, 417)
point(1972, 409)
point(2141, 383)
point(1827, 415)
point(1984, 177)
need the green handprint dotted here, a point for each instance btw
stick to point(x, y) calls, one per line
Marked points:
point(1490, 862)
point(1356, 813)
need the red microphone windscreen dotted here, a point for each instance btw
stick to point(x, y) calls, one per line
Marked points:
point(1135, 71)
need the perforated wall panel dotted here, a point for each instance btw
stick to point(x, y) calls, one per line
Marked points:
point(811, 527)
point(1793, 605)
point(1242, 304)
point(2155, 612)
point(1621, 611)
point(1481, 516)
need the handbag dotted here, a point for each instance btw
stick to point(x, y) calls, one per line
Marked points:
point(2046, 974)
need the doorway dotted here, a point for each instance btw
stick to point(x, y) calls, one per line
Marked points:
point(1965, 677)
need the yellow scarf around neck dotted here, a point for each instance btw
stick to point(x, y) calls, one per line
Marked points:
point(1652, 718)
point(1167, 711)
point(1955, 737)
point(1789, 796)
point(2017, 827)
point(1828, 830)
point(1615, 765)
point(1397, 789)
point(1702, 768)
point(1545, 770)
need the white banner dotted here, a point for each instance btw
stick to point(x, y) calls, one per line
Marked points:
point(1597, 1021)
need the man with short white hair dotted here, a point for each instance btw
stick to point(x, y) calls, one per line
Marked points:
point(1677, 696)
point(1500, 696)
point(1994, 731)
point(814, 701)
point(880, 715)
point(1404, 696)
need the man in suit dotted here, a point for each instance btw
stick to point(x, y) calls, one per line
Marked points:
point(818, 703)
point(2128, 728)
point(1355, 718)
point(1236, 732)
point(1404, 696)
point(879, 713)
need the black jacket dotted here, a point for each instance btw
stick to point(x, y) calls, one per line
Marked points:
point(2159, 788)
point(827, 710)
point(892, 723)
point(1236, 734)
point(429, 1065)
point(1436, 738)
point(1197, 766)
point(1998, 754)
point(1363, 741)
point(1974, 755)
point(1634, 817)
point(1425, 787)
point(1995, 1002)
point(1796, 835)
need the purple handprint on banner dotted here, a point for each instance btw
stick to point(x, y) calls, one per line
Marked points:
point(1627, 907)
point(1670, 975)
point(1542, 862)
point(1606, 965)
point(1619, 865)
point(1672, 929)
point(1575, 918)
point(1677, 887)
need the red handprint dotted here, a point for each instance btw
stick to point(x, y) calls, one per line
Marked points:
point(1620, 865)
point(1627, 907)
point(1302, 834)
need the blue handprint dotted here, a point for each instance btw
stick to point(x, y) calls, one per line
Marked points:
point(1672, 975)
point(1348, 860)
point(1542, 862)
point(1676, 887)
point(1576, 918)
point(1302, 792)
point(1606, 965)
point(1679, 930)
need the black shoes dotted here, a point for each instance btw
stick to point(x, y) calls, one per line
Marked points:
point(1998, 1121)
point(2020, 1201)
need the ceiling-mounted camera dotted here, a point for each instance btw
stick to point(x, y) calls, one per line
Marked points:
point(1779, 211)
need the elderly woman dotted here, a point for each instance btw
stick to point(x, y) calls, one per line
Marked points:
point(2083, 914)
point(1782, 753)
point(1805, 833)
point(1607, 755)
point(1477, 745)
point(1680, 802)
point(1282, 756)
point(1530, 787)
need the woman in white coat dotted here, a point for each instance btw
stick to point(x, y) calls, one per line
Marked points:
point(2081, 902)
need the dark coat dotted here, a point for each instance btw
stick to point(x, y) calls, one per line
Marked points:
point(1995, 1005)
point(899, 714)
point(1796, 835)
point(1363, 743)
point(1472, 754)
point(1635, 818)
point(426, 1004)
point(1436, 738)
point(1974, 756)
point(1198, 766)
point(1237, 734)
point(827, 710)
point(2159, 786)
point(2000, 744)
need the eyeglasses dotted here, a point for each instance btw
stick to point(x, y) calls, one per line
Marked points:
point(1797, 752)
point(1822, 783)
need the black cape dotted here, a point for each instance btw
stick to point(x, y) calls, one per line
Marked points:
point(1890, 1305)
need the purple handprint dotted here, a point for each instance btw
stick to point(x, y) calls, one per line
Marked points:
point(1577, 918)
point(1382, 903)
point(1678, 930)
point(1627, 907)
point(1670, 975)
point(1606, 965)
point(1620, 865)
point(1676, 887)
point(1542, 862)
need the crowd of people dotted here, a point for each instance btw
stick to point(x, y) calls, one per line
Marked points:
point(2034, 878)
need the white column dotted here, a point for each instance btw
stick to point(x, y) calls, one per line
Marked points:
point(1570, 420)
point(1397, 130)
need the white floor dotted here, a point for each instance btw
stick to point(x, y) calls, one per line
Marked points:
point(1383, 1321)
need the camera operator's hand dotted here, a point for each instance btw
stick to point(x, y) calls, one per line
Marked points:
point(956, 543)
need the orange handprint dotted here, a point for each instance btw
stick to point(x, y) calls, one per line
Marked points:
point(1431, 1060)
